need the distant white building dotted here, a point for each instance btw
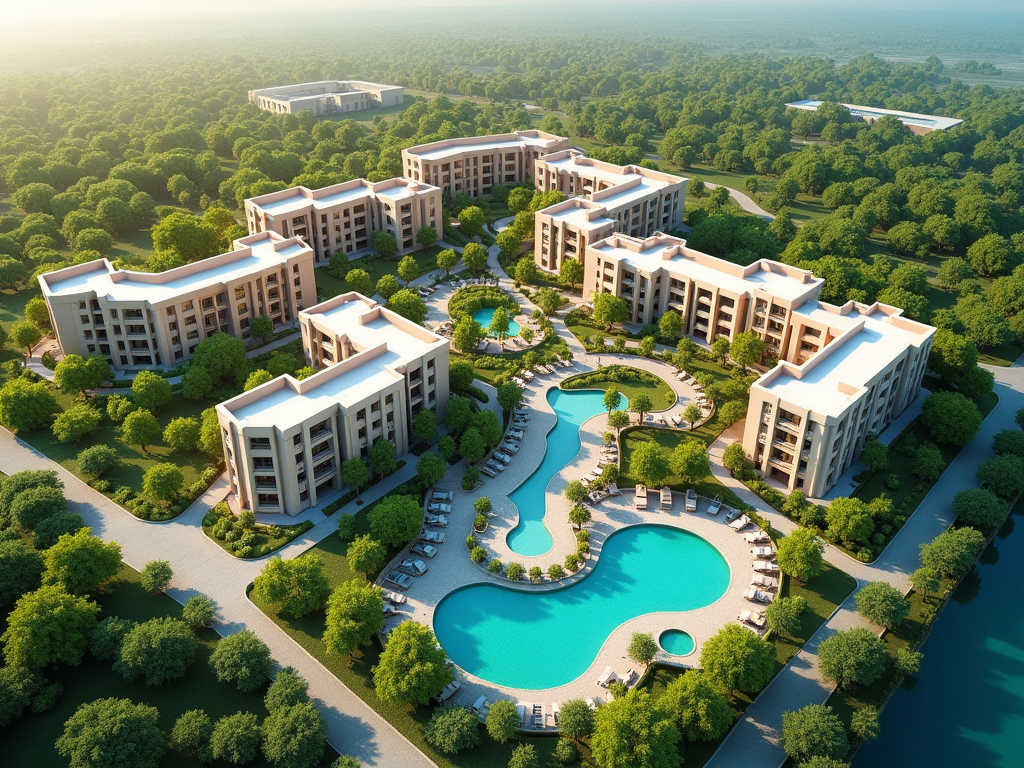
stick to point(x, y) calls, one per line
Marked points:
point(917, 123)
point(327, 97)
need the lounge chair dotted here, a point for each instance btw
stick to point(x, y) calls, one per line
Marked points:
point(613, 490)
point(763, 553)
point(740, 524)
point(761, 580)
point(766, 566)
point(758, 596)
point(608, 677)
point(676, 420)
point(666, 498)
point(756, 537)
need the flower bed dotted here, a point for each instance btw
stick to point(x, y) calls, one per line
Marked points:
point(243, 537)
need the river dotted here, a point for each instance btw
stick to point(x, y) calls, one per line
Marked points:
point(966, 707)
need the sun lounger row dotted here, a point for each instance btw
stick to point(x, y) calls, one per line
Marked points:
point(752, 620)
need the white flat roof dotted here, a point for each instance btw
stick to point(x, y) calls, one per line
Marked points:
point(218, 269)
point(297, 201)
point(577, 216)
point(935, 122)
point(776, 283)
point(854, 362)
point(457, 149)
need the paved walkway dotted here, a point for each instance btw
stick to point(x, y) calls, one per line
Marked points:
point(743, 201)
point(201, 566)
point(754, 741)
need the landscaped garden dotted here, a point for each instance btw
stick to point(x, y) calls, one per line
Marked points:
point(629, 381)
point(243, 537)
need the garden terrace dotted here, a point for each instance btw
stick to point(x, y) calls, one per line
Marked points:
point(629, 381)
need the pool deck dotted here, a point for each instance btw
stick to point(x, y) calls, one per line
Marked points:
point(452, 568)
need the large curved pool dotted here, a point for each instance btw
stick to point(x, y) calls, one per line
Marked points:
point(538, 640)
point(484, 317)
point(530, 537)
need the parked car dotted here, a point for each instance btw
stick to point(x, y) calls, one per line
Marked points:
point(716, 506)
point(439, 495)
point(440, 521)
point(400, 580)
point(504, 458)
point(422, 548)
point(413, 565)
point(691, 500)
point(434, 537)
point(394, 597)
point(510, 448)
point(436, 506)
point(486, 470)
point(389, 609)
point(494, 465)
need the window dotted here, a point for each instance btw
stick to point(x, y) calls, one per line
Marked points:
point(269, 500)
point(192, 335)
point(263, 462)
point(259, 443)
point(244, 323)
point(240, 292)
point(113, 314)
point(186, 306)
point(243, 308)
point(266, 481)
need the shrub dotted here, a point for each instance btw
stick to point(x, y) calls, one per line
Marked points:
point(478, 555)
point(242, 658)
point(452, 729)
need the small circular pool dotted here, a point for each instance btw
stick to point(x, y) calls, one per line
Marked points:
point(676, 642)
point(483, 316)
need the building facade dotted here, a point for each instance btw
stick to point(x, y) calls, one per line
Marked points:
point(327, 97)
point(475, 164)
point(915, 122)
point(143, 320)
point(285, 441)
point(342, 218)
point(842, 373)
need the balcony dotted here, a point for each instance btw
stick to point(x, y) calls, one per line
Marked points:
point(326, 472)
point(319, 433)
point(781, 463)
point(790, 426)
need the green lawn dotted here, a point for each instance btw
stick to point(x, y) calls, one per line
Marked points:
point(12, 304)
point(328, 286)
point(134, 461)
point(356, 673)
point(659, 392)
point(30, 741)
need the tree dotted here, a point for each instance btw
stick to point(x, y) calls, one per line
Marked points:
point(474, 256)
point(385, 244)
point(925, 581)
point(75, 374)
point(813, 731)
point(618, 420)
point(575, 491)
point(579, 516)
point(1003, 475)
point(192, 731)
point(293, 737)
point(12, 274)
point(81, 562)
point(689, 460)
point(720, 349)
point(409, 305)
point(426, 237)
point(642, 649)
point(34, 505)
point(355, 612)
point(952, 553)
point(472, 445)
point(526, 268)
point(576, 720)
point(157, 650)
point(864, 723)
point(21, 571)
point(295, 587)
point(633, 732)
point(112, 733)
point(609, 309)
point(22, 481)
point(139, 428)
point(359, 280)
point(499, 324)
point(983, 323)
point(198, 611)
point(382, 457)
point(408, 269)
point(519, 199)
point(736, 659)
point(876, 455)
point(641, 405)
point(387, 286)
point(155, 576)
point(236, 738)
point(612, 398)
point(467, 334)
point(503, 721)
point(849, 520)
point(952, 418)
point(457, 415)
point(852, 657)
point(452, 729)
point(355, 473)
point(209, 435)
point(431, 468)
point(524, 756)
point(746, 349)
point(24, 335)
point(1009, 441)
point(242, 658)
point(184, 234)
point(692, 414)
point(150, 391)
point(412, 666)
point(472, 221)
point(882, 604)
point(163, 482)
point(800, 554)
point(183, 433)
point(262, 328)
point(698, 709)
point(648, 464)
point(288, 689)
point(424, 425)
point(76, 422)
point(991, 255)
point(197, 384)
point(48, 627)
point(446, 260)
point(510, 395)
point(907, 662)
point(25, 406)
point(783, 614)
point(570, 273)
point(928, 463)
point(548, 299)
point(980, 508)
point(396, 520)
point(670, 327)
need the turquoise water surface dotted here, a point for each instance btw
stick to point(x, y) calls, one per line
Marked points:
point(676, 642)
point(540, 640)
point(530, 537)
point(483, 316)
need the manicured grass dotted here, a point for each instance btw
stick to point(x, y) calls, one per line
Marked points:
point(356, 672)
point(134, 461)
point(659, 392)
point(328, 286)
point(12, 304)
point(29, 742)
point(266, 541)
point(551, 343)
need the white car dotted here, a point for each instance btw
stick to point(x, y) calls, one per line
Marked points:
point(436, 506)
point(504, 458)
point(441, 495)
point(400, 580)
point(510, 448)
point(494, 466)
point(486, 470)
point(422, 548)
point(434, 537)
point(715, 506)
point(393, 597)
point(413, 565)
point(439, 521)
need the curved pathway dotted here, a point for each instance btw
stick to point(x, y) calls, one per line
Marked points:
point(743, 201)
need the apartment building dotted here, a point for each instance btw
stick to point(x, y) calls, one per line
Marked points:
point(327, 97)
point(143, 320)
point(476, 163)
point(606, 198)
point(915, 122)
point(285, 441)
point(342, 218)
point(807, 422)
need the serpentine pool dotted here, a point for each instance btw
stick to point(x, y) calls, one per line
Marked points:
point(538, 640)
point(530, 537)
point(484, 317)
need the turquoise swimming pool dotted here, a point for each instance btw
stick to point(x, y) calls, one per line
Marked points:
point(483, 316)
point(540, 640)
point(676, 642)
point(531, 537)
